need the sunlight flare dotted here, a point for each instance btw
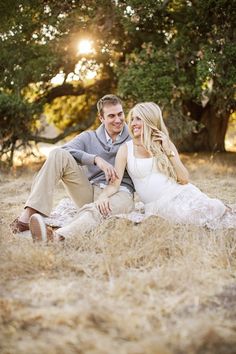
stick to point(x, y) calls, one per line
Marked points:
point(58, 79)
point(85, 46)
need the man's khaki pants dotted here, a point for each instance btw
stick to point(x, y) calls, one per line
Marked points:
point(60, 165)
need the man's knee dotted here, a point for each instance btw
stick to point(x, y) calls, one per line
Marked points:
point(61, 157)
point(57, 152)
point(91, 211)
point(122, 202)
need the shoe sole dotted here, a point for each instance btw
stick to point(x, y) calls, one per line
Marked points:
point(38, 228)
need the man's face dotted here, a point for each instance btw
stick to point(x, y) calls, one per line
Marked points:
point(113, 119)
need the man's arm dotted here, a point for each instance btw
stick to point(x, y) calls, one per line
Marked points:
point(77, 148)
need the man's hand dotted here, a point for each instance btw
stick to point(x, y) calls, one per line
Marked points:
point(107, 168)
point(104, 207)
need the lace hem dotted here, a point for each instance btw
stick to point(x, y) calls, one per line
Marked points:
point(179, 212)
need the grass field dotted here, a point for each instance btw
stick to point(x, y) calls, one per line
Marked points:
point(152, 288)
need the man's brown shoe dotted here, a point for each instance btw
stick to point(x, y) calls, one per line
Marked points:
point(39, 230)
point(19, 226)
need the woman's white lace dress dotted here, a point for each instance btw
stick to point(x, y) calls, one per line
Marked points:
point(166, 198)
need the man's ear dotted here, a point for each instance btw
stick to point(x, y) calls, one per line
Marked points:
point(101, 118)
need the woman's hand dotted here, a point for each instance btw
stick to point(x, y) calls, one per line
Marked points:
point(104, 207)
point(163, 139)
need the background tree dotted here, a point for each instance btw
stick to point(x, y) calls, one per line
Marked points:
point(38, 40)
point(184, 58)
point(179, 53)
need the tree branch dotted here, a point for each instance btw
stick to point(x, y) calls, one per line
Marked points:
point(67, 89)
point(164, 4)
point(81, 126)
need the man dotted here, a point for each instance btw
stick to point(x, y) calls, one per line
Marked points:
point(94, 149)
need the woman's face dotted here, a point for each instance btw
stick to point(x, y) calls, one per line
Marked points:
point(136, 125)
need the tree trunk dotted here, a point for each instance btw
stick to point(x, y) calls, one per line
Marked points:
point(209, 134)
point(216, 126)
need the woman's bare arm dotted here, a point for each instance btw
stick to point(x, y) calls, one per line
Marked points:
point(102, 202)
point(180, 170)
point(172, 153)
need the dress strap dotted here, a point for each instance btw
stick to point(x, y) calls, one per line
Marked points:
point(130, 147)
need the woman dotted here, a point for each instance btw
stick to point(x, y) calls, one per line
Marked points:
point(160, 178)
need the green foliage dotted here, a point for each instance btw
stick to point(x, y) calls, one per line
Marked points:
point(185, 61)
point(27, 45)
point(17, 120)
point(38, 39)
point(15, 114)
point(197, 45)
point(144, 70)
point(67, 111)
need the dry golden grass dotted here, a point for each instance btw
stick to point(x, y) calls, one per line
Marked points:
point(152, 288)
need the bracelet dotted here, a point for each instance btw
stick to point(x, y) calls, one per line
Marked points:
point(170, 154)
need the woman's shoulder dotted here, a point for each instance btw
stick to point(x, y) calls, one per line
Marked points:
point(129, 144)
point(124, 147)
point(122, 152)
point(126, 150)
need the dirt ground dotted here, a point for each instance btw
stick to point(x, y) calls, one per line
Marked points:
point(154, 287)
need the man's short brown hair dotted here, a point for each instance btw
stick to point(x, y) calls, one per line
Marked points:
point(107, 99)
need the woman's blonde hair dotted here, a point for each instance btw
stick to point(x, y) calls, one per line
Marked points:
point(150, 114)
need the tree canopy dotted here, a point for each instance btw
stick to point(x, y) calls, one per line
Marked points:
point(178, 53)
